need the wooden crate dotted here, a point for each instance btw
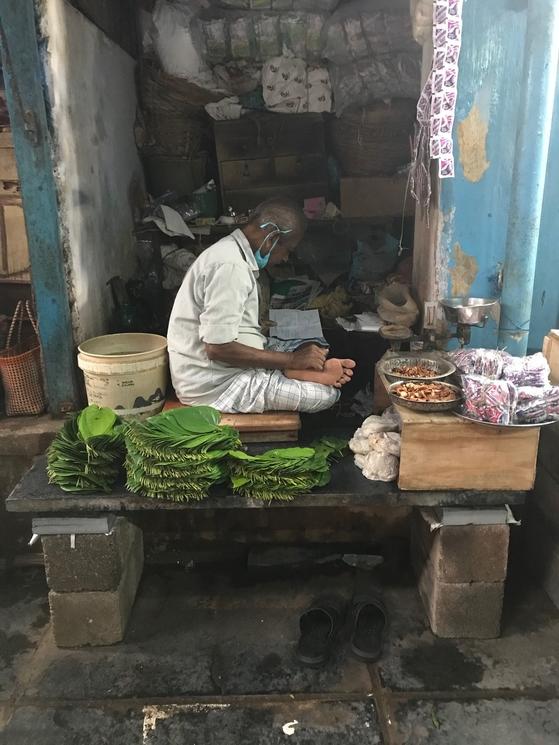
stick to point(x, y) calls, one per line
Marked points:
point(14, 252)
point(441, 451)
point(551, 351)
point(8, 167)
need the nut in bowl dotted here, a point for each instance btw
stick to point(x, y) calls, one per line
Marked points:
point(416, 368)
point(425, 396)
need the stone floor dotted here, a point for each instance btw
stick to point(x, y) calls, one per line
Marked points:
point(209, 658)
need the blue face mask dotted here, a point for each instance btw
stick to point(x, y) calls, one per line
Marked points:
point(262, 260)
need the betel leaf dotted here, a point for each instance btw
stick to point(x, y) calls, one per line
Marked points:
point(284, 473)
point(95, 421)
point(179, 454)
point(87, 453)
point(193, 419)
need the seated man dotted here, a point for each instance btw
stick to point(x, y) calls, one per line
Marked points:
point(216, 350)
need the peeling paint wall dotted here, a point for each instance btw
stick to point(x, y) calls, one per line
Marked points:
point(476, 202)
point(93, 98)
point(463, 272)
point(472, 144)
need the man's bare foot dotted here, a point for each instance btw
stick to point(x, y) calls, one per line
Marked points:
point(336, 373)
point(347, 372)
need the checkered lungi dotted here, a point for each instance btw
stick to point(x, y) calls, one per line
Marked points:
point(255, 391)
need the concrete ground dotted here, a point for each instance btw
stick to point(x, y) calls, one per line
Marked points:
point(209, 658)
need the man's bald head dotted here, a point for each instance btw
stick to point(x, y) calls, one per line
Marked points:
point(285, 213)
point(276, 214)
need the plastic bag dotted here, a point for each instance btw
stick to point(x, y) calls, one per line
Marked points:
point(537, 404)
point(527, 371)
point(175, 44)
point(375, 77)
point(392, 418)
point(374, 424)
point(357, 30)
point(385, 442)
point(360, 461)
point(486, 362)
point(259, 35)
point(489, 400)
point(359, 444)
point(381, 467)
point(292, 87)
point(531, 407)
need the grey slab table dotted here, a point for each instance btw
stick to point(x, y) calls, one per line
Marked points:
point(93, 578)
point(347, 487)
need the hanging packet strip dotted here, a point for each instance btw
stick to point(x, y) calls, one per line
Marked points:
point(447, 36)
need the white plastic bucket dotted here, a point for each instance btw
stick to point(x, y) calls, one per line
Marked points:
point(126, 372)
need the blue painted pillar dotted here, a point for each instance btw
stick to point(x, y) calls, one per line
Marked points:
point(33, 147)
point(528, 182)
point(473, 207)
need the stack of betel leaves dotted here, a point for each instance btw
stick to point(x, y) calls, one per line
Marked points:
point(179, 454)
point(88, 452)
point(284, 473)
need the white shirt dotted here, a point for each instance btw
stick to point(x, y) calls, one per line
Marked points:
point(217, 303)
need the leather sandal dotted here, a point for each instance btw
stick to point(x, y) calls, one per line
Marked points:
point(369, 621)
point(319, 626)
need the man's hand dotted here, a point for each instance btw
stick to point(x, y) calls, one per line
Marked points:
point(311, 357)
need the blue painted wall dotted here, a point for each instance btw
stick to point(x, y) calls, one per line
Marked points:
point(545, 306)
point(476, 212)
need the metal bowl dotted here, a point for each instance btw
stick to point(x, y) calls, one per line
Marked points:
point(470, 311)
point(442, 368)
point(427, 405)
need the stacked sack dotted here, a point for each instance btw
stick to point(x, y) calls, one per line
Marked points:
point(376, 446)
point(223, 45)
point(372, 54)
point(502, 389)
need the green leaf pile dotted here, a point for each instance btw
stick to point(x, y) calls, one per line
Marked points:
point(178, 454)
point(284, 473)
point(88, 452)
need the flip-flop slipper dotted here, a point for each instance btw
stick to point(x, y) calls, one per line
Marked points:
point(369, 621)
point(319, 627)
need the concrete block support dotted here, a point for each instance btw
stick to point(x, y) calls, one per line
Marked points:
point(464, 553)
point(93, 586)
point(461, 572)
point(96, 563)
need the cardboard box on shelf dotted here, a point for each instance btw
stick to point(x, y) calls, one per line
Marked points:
point(375, 196)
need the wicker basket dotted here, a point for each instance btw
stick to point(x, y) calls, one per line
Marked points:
point(172, 119)
point(375, 140)
point(20, 368)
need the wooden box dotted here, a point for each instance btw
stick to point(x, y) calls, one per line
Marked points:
point(551, 351)
point(375, 196)
point(14, 252)
point(8, 167)
point(441, 451)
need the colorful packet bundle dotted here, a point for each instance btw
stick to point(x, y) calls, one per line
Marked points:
point(488, 400)
point(486, 362)
point(527, 371)
point(536, 404)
